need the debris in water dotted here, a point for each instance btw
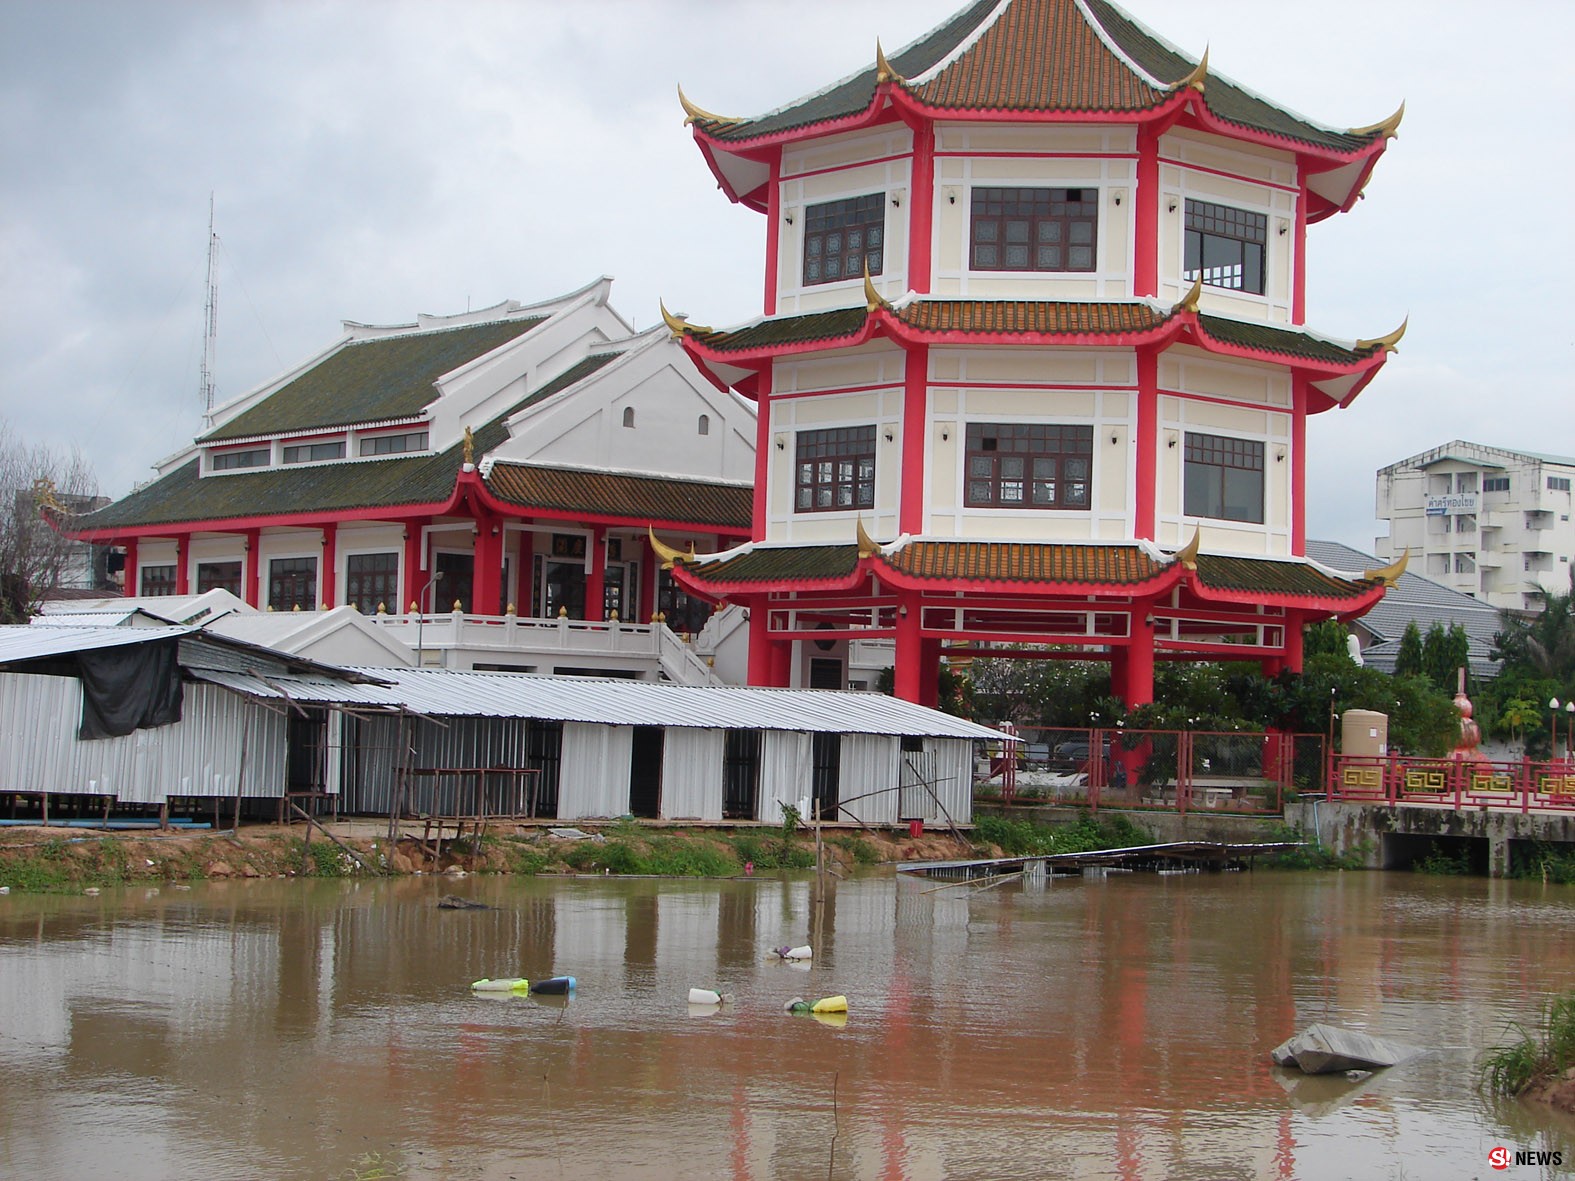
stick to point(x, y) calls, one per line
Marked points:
point(1328, 1049)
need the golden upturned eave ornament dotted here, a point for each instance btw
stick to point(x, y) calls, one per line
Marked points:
point(1391, 573)
point(883, 71)
point(1187, 555)
point(873, 299)
point(694, 114)
point(868, 546)
point(1388, 128)
point(679, 326)
point(670, 557)
point(1198, 77)
point(1386, 343)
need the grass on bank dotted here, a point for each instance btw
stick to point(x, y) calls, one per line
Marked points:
point(1017, 838)
point(1539, 1056)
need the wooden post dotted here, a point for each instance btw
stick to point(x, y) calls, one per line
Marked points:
point(45, 816)
point(164, 816)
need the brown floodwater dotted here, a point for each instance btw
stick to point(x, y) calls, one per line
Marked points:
point(1091, 1028)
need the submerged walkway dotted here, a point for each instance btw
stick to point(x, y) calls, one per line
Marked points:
point(1172, 854)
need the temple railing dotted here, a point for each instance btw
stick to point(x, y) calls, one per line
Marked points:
point(1522, 785)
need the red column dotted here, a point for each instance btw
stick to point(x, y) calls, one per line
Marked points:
point(915, 417)
point(781, 663)
point(929, 670)
point(596, 577)
point(487, 567)
point(414, 575)
point(763, 445)
point(1137, 682)
point(1299, 260)
point(328, 579)
point(128, 576)
point(1145, 475)
point(773, 232)
point(251, 569)
point(921, 206)
point(1293, 642)
point(182, 577)
point(1298, 479)
point(759, 643)
point(1145, 239)
point(908, 673)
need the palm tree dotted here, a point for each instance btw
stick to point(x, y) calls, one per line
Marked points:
point(1543, 643)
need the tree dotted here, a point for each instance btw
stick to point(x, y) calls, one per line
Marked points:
point(35, 557)
point(1408, 661)
point(1543, 644)
point(1443, 653)
point(1326, 638)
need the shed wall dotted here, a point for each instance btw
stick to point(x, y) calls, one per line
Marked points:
point(692, 773)
point(594, 780)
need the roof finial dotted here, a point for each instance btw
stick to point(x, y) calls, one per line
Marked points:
point(470, 448)
point(1388, 128)
point(670, 557)
point(883, 71)
point(694, 114)
point(1391, 573)
point(1386, 343)
point(1187, 555)
point(678, 326)
point(868, 546)
point(1197, 78)
point(1189, 301)
point(872, 299)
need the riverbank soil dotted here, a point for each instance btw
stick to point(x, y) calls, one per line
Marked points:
point(67, 860)
point(1559, 1093)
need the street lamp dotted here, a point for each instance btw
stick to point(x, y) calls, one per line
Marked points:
point(422, 603)
point(1569, 727)
point(1553, 727)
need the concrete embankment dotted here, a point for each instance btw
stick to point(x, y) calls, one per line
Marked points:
point(1396, 838)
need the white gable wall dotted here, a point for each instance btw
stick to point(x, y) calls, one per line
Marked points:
point(583, 426)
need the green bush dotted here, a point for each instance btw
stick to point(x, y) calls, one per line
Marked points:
point(771, 852)
point(856, 847)
point(1018, 838)
point(1538, 1056)
point(328, 860)
point(1443, 863)
point(1311, 855)
point(1546, 864)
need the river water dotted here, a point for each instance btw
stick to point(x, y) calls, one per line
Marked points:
point(1090, 1028)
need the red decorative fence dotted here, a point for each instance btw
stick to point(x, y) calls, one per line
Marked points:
point(1176, 770)
point(1521, 785)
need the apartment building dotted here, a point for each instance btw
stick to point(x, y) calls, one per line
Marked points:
point(1492, 523)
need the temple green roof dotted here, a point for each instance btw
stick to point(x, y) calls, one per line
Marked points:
point(379, 380)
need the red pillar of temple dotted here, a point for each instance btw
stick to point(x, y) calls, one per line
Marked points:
point(487, 572)
point(328, 581)
point(128, 575)
point(415, 576)
point(251, 569)
point(182, 575)
point(908, 673)
point(596, 576)
point(1137, 682)
point(1293, 642)
point(929, 672)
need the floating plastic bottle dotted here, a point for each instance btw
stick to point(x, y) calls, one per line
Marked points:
point(794, 953)
point(830, 1004)
point(707, 996)
point(505, 984)
point(554, 986)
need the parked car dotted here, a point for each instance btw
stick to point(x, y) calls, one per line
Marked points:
point(1075, 751)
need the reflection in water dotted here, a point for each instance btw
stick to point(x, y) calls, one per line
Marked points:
point(1111, 1027)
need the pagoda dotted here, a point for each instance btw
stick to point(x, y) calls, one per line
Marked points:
point(1033, 375)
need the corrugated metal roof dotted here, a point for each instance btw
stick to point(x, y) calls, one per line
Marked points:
point(613, 702)
point(19, 642)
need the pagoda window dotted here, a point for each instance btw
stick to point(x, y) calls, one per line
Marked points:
point(1029, 465)
point(224, 461)
point(219, 576)
point(1225, 246)
point(157, 581)
point(1024, 229)
point(314, 452)
point(371, 580)
point(292, 583)
point(842, 238)
point(835, 470)
point(394, 444)
point(1224, 478)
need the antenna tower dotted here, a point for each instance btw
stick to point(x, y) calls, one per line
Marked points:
point(210, 316)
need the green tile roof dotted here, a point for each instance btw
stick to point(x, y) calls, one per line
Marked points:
point(622, 494)
point(1290, 342)
point(185, 496)
point(370, 380)
point(1267, 576)
point(811, 563)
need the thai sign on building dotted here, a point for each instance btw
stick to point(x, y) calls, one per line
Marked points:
point(1449, 506)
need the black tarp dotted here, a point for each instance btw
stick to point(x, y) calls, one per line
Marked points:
point(129, 687)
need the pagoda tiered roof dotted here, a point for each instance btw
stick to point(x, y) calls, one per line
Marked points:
point(921, 320)
point(1118, 569)
point(1028, 60)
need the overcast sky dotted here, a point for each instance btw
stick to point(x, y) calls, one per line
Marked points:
point(370, 161)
